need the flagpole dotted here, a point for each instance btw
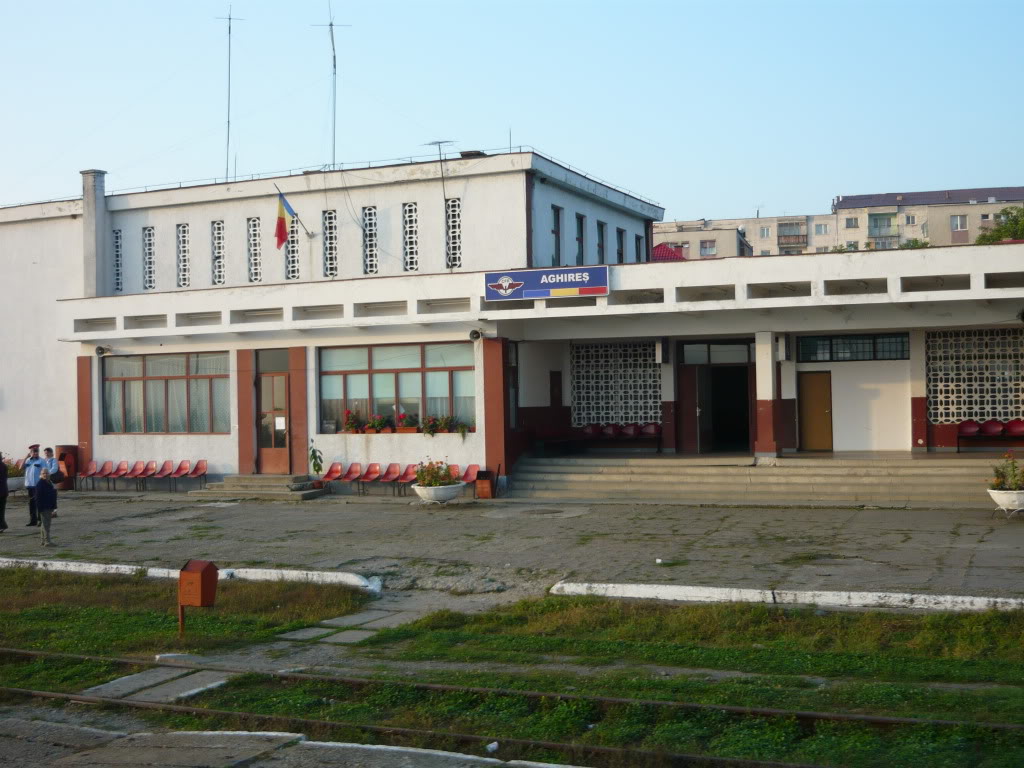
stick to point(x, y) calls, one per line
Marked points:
point(308, 233)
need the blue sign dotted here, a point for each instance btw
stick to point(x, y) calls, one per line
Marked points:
point(546, 283)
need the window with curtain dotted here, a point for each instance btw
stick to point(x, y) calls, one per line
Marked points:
point(417, 380)
point(167, 394)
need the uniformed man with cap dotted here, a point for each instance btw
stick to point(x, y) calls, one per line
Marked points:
point(33, 466)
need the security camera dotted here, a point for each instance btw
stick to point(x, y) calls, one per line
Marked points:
point(475, 335)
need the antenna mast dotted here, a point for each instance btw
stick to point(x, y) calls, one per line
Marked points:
point(334, 81)
point(227, 145)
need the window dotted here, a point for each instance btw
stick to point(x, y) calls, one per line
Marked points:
point(410, 237)
point(418, 380)
point(823, 349)
point(330, 224)
point(620, 246)
point(255, 250)
point(370, 258)
point(984, 217)
point(453, 232)
point(708, 248)
point(602, 232)
point(581, 226)
point(974, 374)
point(182, 253)
point(291, 251)
point(638, 244)
point(958, 222)
point(821, 249)
point(821, 229)
point(766, 232)
point(852, 223)
point(910, 220)
point(556, 232)
point(852, 245)
point(766, 252)
point(886, 243)
point(217, 269)
point(167, 394)
point(148, 259)
point(118, 262)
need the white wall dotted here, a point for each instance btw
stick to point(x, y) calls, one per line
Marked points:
point(870, 404)
point(536, 361)
point(40, 260)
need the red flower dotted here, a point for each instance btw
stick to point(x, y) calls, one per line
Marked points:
point(348, 413)
point(401, 417)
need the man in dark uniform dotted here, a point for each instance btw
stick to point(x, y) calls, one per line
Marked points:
point(33, 466)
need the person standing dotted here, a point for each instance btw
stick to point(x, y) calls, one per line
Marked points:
point(3, 493)
point(46, 504)
point(52, 466)
point(33, 466)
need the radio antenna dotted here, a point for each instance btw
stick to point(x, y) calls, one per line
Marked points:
point(334, 81)
point(227, 146)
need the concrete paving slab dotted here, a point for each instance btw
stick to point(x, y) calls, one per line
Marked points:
point(308, 633)
point(349, 636)
point(58, 734)
point(317, 754)
point(123, 686)
point(182, 687)
point(200, 749)
point(394, 620)
point(17, 753)
point(355, 619)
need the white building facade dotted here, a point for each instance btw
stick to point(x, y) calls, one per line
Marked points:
point(167, 325)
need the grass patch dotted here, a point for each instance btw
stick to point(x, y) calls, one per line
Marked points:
point(131, 614)
point(60, 675)
point(968, 647)
point(634, 725)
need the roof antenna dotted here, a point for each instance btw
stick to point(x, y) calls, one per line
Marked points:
point(440, 159)
point(227, 146)
point(334, 80)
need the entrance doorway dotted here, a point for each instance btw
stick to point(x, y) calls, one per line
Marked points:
point(716, 387)
point(726, 405)
point(814, 391)
point(272, 413)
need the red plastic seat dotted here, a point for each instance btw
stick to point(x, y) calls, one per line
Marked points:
point(121, 471)
point(968, 428)
point(136, 471)
point(611, 431)
point(592, 430)
point(103, 473)
point(653, 429)
point(453, 470)
point(333, 472)
point(372, 473)
point(147, 472)
point(181, 471)
point(391, 475)
point(165, 470)
point(199, 472)
point(18, 463)
point(992, 428)
point(354, 471)
point(631, 431)
point(471, 472)
point(1015, 428)
point(408, 478)
point(88, 472)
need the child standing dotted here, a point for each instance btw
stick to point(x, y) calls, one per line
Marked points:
point(46, 503)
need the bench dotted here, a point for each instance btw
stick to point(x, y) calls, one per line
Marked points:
point(991, 431)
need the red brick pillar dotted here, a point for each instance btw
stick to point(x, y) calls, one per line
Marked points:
point(495, 405)
point(84, 375)
point(245, 388)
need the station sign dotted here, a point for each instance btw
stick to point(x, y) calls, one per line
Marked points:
point(546, 283)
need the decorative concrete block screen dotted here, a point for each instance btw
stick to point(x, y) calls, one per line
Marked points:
point(976, 374)
point(618, 383)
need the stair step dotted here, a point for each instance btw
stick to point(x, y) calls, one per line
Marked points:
point(259, 495)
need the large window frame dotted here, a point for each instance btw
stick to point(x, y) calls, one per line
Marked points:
point(371, 374)
point(853, 348)
point(147, 388)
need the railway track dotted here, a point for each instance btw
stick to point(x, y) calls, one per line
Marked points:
point(599, 756)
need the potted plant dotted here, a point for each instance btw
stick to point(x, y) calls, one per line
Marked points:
point(406, 423)
point(445, 424)
point(431, 426)
point(376, 423)
point(434, 482)
point(316, 461)
point(351, 424)
point(462, 429)
point(15, 476)
point(1007, 489)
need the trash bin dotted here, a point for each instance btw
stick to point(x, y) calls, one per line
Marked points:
point(485, 484)
point(68, 455)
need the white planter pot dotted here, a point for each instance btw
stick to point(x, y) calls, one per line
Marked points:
point(1008, 501)
point(15, 484)
point(438, 493)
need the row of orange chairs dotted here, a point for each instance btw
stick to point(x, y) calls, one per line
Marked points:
point(393, 475)
point(141, 471)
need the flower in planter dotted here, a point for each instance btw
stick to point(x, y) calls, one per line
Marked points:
point(406, 420)
point(431, 425)
point(377, 422)
point(445, 424)
point(431, 474)
point(351, 425)
point(1009, 476)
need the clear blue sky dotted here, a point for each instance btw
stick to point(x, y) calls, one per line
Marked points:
point(710, 108)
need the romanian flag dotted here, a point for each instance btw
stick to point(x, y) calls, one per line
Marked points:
point(285, 214)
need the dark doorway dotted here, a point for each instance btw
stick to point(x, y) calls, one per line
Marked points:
point(730, 407)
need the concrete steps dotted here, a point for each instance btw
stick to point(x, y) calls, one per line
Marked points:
point(262, 488)
point(895, 482)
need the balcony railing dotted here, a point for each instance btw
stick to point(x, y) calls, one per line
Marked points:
point(883, 231)
point(793, 239)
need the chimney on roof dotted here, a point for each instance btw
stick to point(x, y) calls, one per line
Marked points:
point(472, 153)
point(899, 198)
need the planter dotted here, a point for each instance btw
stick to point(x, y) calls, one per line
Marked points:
point(1010, 502)
point(15, 484)
point(407, 430)
point(353, 432)
point(385, 431)
point(368, 431)
point(439, 494)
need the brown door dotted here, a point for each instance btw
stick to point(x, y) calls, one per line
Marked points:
point(272, 424)
point(815, 397)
